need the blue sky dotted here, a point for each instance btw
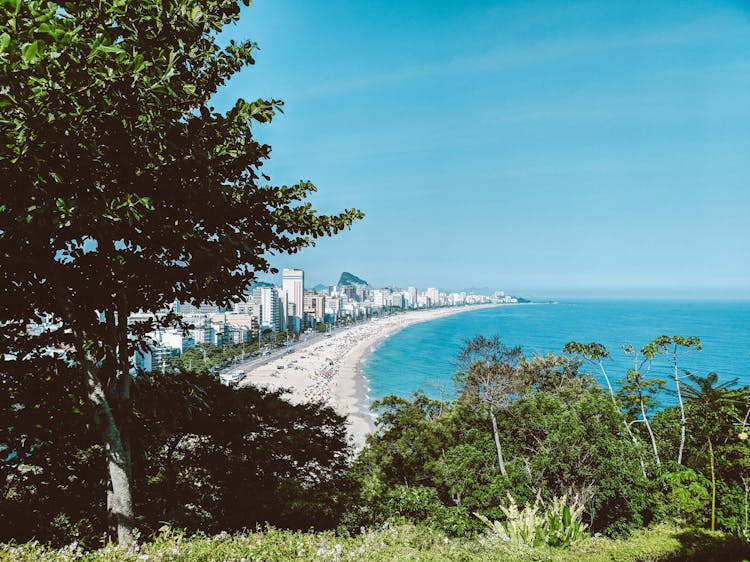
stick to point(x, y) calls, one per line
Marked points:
point(545, 148)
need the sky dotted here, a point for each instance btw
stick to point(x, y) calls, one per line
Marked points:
point(548, 149)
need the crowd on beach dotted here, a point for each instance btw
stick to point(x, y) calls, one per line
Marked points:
point(325, 361)
point(311, 374)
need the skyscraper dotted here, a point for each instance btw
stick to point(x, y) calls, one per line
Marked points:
point(293, 286)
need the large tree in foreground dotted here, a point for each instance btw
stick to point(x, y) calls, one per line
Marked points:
point(124, 190)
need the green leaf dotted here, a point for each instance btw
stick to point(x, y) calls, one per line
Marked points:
point(189, 88)
point(111, 49)
point(29, 51)
point(4, 42)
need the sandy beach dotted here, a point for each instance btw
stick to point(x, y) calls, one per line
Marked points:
point(329, 370)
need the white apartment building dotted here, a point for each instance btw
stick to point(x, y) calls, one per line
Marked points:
point(379, 298)
point(293, 287)
point(434, 295)
point(270, 304)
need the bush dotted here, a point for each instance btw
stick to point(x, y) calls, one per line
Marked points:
point(558, 526)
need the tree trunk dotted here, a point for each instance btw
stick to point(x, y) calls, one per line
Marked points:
point(119, 493)
point(498, 446)
point(713, 485)
point(609, 384)
point(120, 504)
point(108, 402)
point(683, 419)
point(650, 431)
point(634, 439)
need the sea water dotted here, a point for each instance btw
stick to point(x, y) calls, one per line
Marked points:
point(423, 356)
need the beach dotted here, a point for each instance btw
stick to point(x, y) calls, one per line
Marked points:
point(329, 370)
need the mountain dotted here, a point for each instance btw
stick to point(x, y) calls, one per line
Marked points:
point(351, 279)
point(320, 288)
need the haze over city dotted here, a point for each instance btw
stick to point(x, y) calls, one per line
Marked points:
point(543, 148)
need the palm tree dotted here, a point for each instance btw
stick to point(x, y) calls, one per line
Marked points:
point(712, 403)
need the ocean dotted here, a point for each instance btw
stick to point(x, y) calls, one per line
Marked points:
point(423, 356)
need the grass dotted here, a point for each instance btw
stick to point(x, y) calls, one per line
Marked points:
point(405, 542)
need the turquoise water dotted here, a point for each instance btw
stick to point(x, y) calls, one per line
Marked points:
point(422, 356)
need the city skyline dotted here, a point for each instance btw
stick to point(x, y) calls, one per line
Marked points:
point(578, 150)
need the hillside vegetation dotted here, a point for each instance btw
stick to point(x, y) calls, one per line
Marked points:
point(533, 460)
point(403, 542)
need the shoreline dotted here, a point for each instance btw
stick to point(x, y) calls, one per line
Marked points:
point(331, 370)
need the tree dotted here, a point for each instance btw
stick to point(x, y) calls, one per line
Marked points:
point(564, 434)
point(206, 457)
point(124, 190)
point(217, 459)
point(595, 354)
point(670, 346)
point(713, 402)
point(637, 393)
point(488, 370)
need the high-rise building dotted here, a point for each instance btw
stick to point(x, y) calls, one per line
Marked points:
point(434, 295)
point(411, 297)
point(270, 308)
point(397, 300)
point(379, 298)
point(293, 286)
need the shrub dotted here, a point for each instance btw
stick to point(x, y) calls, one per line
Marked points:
point(558, 526)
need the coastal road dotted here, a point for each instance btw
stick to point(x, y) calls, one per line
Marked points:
point(232, 372)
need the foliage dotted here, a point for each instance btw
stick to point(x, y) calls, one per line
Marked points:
point(227, 459)
point(399, 543)
point(488, 375)
point(125, 190)
point(686, 496)
point(564, 435)
point(52, 474)
point(203, 357)
point(563, 524)
point(524, 526)
point(558, 525)
point(205, 457)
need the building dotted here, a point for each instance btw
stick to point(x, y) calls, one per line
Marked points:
point(397, 300)
point(293, 287)
point(270, 308)
point(315, 305)
point(411, 297)
point(379, 298)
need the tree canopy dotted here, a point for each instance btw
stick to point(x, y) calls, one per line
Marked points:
point(124, 189)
